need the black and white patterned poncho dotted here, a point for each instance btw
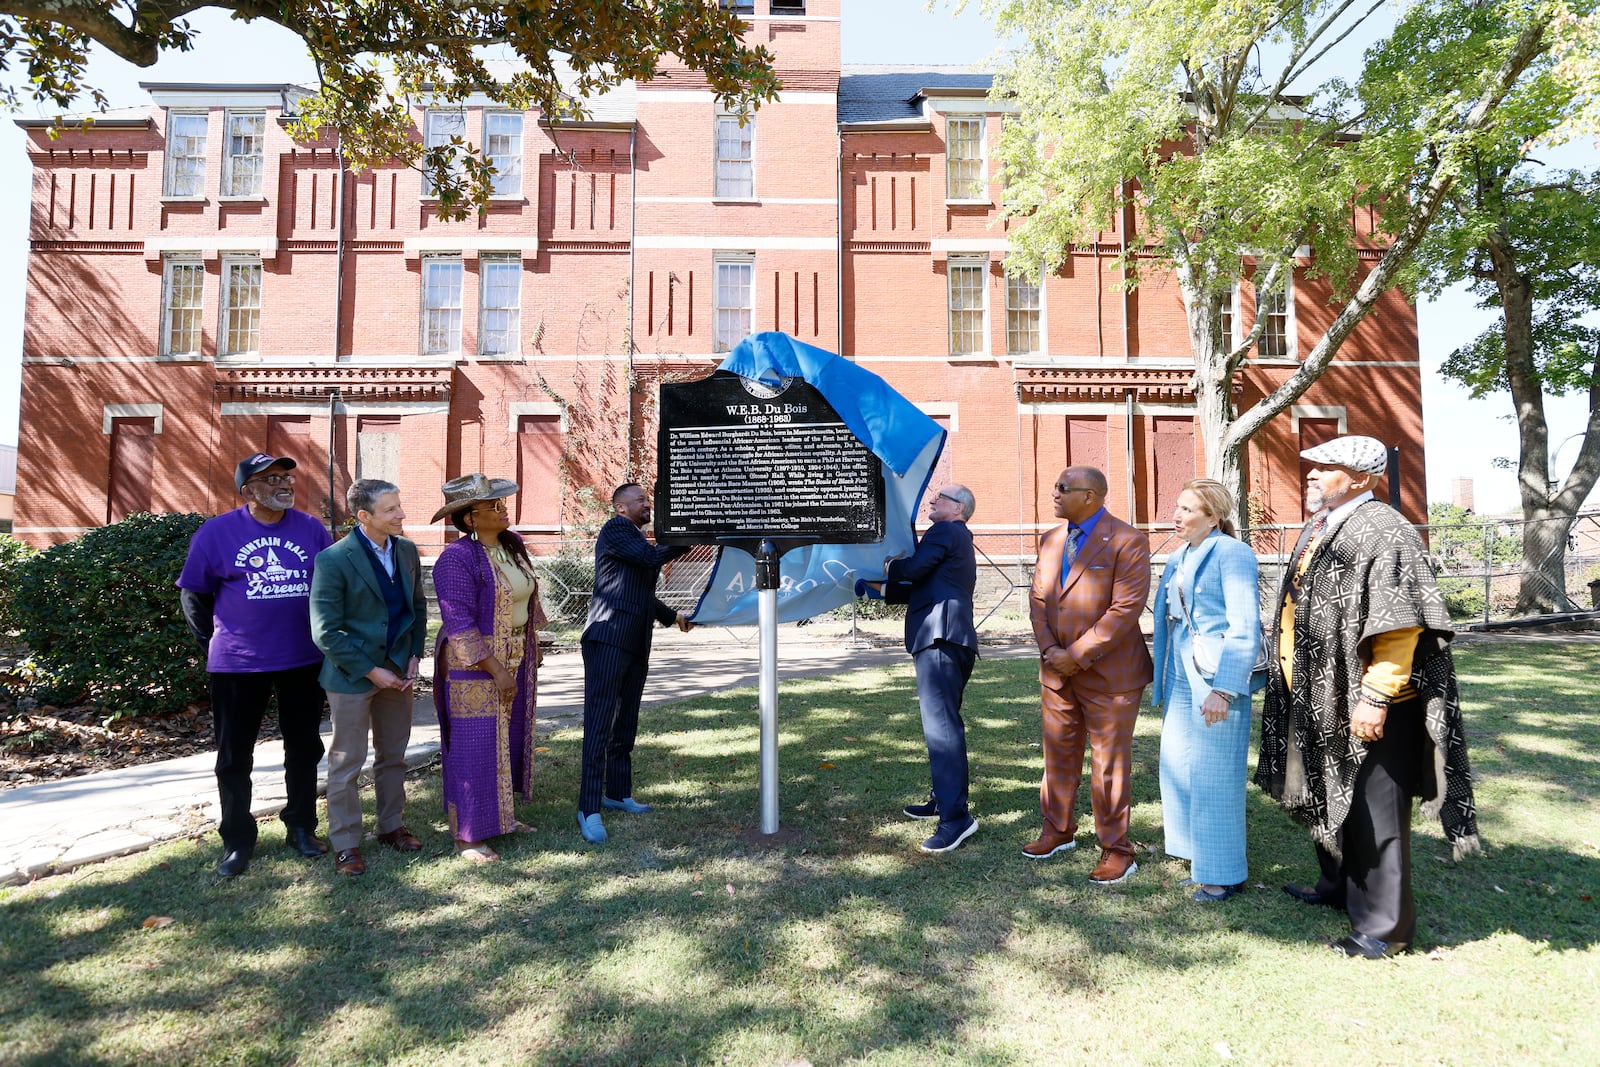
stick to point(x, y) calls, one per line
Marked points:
point(1367, 576)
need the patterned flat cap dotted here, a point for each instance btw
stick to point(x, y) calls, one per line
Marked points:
point(1366, 455)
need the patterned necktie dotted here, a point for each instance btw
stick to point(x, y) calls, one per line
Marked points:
point(1073, 533)
point(1297, 578)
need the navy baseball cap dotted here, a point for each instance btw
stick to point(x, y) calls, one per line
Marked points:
point(251, 466)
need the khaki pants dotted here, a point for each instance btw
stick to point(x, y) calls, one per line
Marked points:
point(386, 713)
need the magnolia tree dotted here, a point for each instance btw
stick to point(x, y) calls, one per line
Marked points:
point(376, 60)
point(1209, 119)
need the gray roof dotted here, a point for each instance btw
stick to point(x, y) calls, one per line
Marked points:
point(894, 93)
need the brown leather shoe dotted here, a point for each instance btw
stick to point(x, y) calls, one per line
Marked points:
point(401, 840)
point(1113, 867)
point(349, 861)
point(1049, 842)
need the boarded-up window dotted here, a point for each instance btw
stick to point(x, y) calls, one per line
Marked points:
point(133, 453)
point(1086, 443)
point(378, 447)
point(538, 470)
point(1172, 452)
point(1314, 432)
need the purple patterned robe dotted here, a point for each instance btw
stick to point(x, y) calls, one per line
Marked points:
point(486, 743)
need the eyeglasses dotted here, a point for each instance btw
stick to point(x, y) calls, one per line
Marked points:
point(947, 496)
point(1073, 488)
point(492, 505)
point(273, 480)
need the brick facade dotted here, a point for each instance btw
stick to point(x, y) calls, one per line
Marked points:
point(843, 227)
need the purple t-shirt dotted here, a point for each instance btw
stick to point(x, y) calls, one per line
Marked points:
point(260, 575)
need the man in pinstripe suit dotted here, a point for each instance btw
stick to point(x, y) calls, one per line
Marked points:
point(1089, 588)
point(616, 655)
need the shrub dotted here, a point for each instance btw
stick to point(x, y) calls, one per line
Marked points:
point(101, 616)
point(566, 582)
point(1463, 598)
point(13, 554)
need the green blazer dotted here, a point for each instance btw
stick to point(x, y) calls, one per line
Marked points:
point(349, 619)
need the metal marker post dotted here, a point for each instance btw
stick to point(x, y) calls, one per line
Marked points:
point(767, 617)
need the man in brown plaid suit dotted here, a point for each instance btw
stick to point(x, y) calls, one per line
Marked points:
point(1089, 589)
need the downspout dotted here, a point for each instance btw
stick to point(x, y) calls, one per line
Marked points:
point(1122, 224)
point(838, 244)
point(633, 247)
point(339, 254)
point(1133, 506)
point(333, 497)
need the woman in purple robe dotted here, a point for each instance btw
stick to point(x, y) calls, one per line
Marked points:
point(486, 665)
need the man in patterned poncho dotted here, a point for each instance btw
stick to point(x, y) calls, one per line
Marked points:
point(1361, 710)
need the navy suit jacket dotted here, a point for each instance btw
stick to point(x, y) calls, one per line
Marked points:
point(624, 601)
point(936, 585)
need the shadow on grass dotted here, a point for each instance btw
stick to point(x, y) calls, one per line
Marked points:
point(677, 943)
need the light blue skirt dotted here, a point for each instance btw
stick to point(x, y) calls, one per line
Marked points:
point(1203, 774)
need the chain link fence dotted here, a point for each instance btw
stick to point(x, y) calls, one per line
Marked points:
point(1480, 566)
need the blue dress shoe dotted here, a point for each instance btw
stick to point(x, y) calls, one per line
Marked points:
point(1306, 894)
point(1360, 946)
point(1216, 894)
point(949, 835)
point(928, 810)
point(627, 804)
point(592, 829)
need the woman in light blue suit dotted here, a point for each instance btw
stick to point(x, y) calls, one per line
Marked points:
point(1209, 590)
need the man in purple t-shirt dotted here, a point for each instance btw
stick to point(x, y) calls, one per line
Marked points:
point(246, 593)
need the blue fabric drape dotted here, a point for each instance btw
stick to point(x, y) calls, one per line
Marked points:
point(819, 578)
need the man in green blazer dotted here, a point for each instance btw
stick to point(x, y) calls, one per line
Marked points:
point(369, 615)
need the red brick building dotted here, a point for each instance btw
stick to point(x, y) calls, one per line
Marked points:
point(201, 286)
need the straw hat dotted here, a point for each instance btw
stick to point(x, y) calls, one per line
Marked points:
point(470, 489)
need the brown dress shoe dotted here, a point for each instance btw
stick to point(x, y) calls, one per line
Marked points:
point(349, 861)
point(1113, 867)
point(401, 840)
point(1048, 843)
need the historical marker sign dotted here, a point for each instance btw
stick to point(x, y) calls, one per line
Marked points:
point(739, 460)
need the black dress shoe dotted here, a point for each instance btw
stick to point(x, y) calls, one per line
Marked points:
point(306, 842)
point(1307, 895)
point(233, 862)
point(1367, 948)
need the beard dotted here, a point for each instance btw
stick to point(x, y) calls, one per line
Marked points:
point(1313, 497)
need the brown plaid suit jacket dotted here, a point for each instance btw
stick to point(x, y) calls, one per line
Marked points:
point(1095, 615)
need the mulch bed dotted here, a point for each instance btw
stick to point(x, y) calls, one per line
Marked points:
point(44, 743)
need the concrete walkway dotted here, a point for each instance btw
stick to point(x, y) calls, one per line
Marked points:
point(56, 826)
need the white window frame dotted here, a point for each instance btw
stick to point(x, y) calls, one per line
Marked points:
point(188, 261)
point(490, 264)
point(441, 308)
point(433, 136)
point(958, 268)
point(956, 186)
point(726, 332)
point(732, 186)
point(231, 158)
point(1289, 347)
point(1230, 321)
point(508, 177)
point(193, 175)
point(226, 310)
point(1037, 310)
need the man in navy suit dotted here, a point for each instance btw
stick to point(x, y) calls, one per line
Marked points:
point(936, 586)
point(616, 655)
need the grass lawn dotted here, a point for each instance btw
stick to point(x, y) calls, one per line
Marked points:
point(678, 944)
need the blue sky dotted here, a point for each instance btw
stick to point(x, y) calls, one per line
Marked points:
point(1463, 435)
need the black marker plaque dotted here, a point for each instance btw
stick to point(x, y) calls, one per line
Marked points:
point(738, 460)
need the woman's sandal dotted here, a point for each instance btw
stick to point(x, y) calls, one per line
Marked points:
point(1216, 894)
point(476, 853)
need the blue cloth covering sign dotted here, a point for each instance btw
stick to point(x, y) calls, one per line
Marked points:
point(818, 578)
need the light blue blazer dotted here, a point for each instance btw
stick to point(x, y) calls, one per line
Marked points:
point(1224, 600)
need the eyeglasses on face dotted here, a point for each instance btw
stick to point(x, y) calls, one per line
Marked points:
point(1064, 489)
point(947, 496)
point(273, 480)
point(492, 505)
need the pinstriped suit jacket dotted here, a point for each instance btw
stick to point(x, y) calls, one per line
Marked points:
point(1095, 614)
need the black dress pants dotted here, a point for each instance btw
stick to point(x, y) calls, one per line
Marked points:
point(1374, 877)
point(238, 702)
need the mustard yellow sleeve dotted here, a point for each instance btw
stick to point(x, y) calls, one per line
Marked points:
point(1388, 675)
